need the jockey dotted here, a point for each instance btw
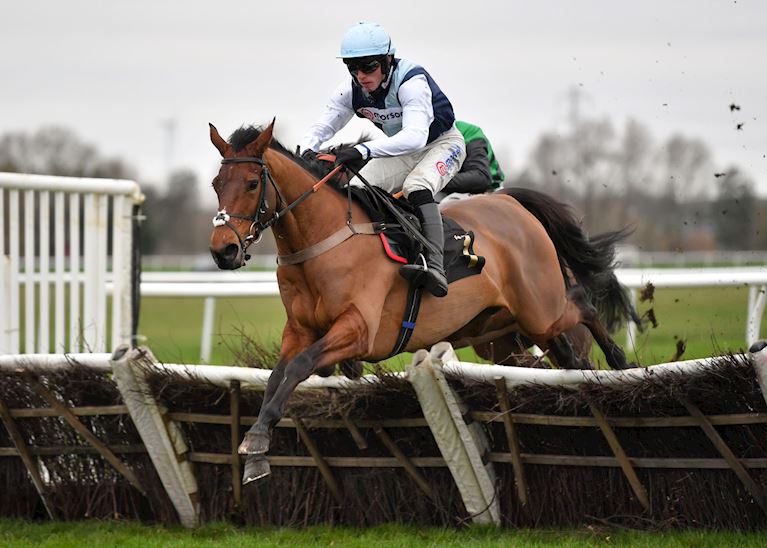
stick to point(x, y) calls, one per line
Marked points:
point(480, 171)
point(421, 149)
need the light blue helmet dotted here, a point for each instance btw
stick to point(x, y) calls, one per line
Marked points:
point(365, 39)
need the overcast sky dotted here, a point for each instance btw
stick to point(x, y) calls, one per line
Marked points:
point(116, 72)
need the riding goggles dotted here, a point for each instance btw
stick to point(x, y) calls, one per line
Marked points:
point(367, 65)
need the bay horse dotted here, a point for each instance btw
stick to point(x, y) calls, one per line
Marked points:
point(347, 302)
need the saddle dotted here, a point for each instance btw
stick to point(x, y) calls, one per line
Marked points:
point(402, 246)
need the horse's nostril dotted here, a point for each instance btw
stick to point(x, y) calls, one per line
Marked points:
point(230, 252)
point(225, 257)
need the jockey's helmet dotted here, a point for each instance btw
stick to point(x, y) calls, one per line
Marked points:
point(364, 40)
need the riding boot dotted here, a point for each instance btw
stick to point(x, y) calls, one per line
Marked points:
point(431, 227)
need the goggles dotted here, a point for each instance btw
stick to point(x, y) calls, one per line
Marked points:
point(367, 65)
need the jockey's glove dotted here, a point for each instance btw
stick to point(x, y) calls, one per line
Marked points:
point(309, 155)
point(349, 156)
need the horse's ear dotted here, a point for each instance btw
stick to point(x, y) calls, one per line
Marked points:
point(222, 146)
point(257, 147)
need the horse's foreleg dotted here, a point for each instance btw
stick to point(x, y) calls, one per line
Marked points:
point(347, 338)
point(294, 340)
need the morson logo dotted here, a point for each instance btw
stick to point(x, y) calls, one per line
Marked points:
point(380, 116)
point(442, 168)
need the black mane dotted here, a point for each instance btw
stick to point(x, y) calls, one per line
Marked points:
point(245, 135)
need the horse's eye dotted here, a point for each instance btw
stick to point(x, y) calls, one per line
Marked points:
point(253, 185)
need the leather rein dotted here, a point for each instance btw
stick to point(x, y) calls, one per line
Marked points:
point(257, 225)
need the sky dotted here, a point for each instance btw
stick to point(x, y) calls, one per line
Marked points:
point(142, 79)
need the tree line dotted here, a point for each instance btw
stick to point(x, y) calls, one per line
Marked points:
point(670, 192)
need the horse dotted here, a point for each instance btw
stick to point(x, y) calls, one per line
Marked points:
point(344, 299)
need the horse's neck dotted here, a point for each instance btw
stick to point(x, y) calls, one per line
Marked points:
point(314, 219)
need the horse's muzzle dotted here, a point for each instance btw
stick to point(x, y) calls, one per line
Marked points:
point(229, 257)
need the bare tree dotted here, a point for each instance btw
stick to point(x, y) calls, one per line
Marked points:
point(688, 169)
point(635, 158)
point(57, 151)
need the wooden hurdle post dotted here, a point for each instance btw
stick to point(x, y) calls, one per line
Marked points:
point(462, 446)
point(162, 437)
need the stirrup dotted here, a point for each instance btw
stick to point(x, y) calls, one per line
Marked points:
point(415, 272)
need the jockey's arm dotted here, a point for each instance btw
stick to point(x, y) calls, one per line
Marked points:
point(417, 116)
point(336, 115)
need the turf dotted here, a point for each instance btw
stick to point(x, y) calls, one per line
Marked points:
point(15, 533)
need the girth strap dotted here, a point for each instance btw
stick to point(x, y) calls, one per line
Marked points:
point(412, 307)
point(329, 243)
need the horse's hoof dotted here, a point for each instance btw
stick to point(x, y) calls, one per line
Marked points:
point(255, 469)
point(254, 444)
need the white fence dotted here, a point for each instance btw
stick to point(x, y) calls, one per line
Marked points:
point(210, 285)
point(55, 263)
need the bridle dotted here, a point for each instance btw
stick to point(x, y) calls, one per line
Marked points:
point(257, 226)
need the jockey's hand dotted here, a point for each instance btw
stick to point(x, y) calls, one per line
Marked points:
point(309, 155)
point(349, 156)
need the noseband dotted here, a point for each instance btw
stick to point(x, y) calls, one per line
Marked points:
point(257, 226)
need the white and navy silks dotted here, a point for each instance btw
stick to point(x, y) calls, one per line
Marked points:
point(421, 149)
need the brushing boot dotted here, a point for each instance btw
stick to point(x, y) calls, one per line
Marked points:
point(433, 275)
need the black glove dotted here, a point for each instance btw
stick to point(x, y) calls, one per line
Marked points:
point(309, 155)
point(349, 156)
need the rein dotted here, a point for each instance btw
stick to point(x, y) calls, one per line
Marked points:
point(222, 218)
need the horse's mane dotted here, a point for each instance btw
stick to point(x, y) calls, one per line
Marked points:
point(245, 135)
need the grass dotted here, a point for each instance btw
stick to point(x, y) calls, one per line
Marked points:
point(15, 533)
point(710, 320)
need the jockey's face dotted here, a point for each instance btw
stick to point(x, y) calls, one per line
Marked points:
point(370, 82)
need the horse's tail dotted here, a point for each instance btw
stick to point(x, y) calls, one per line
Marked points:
point(590, 260)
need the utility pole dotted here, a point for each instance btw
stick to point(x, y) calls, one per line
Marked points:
point(169, 125)
point(575, 98)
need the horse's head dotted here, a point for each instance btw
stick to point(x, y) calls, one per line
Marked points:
point(242, 186)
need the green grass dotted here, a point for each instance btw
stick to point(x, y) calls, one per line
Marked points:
point(15, 533)
point(711, 321)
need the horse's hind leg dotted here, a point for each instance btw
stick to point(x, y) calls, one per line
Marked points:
point(614, 354)
point(564, 354)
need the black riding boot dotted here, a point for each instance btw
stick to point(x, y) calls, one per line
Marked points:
point(431, 227)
